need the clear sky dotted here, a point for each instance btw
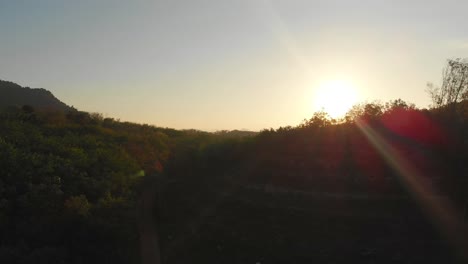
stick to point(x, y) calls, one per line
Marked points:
point(227, 64)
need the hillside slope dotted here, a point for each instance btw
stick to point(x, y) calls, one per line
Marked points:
point(12, 94)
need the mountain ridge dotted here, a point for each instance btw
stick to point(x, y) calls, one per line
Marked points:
point(13, 94)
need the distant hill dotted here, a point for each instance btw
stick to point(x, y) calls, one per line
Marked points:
point(12, 94)
point(236, 133)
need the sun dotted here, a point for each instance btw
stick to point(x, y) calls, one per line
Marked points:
point(335, 97)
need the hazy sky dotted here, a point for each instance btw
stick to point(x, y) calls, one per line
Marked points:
point(214, 64)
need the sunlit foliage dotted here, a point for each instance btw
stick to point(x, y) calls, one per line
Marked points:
point(70, 181)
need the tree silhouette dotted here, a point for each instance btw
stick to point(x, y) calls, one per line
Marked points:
point(454, 86)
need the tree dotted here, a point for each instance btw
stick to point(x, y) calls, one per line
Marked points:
point(78, 205)
point(454, 86)
point(452, 100)
point(398, 104)
point(319, 119)
point(366, 111)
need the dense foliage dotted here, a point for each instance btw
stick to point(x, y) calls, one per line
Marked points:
point(70, 182)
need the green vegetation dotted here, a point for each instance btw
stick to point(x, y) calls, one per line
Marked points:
point(71, 182)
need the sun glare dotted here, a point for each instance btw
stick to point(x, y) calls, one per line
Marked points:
point(335, 97)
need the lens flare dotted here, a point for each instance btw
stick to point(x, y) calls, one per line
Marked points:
point(440, 211)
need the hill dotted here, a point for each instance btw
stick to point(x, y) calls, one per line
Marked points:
point(384, 185)
point(12, 94)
